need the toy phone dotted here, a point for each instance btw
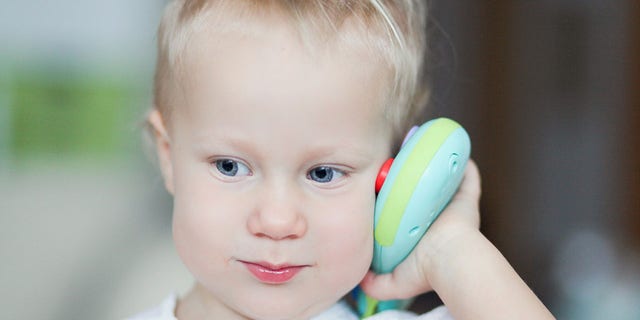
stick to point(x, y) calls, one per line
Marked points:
point(412, 190)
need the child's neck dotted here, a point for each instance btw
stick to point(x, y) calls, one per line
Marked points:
point(200, 304)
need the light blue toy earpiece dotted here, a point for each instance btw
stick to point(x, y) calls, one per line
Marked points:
point(421, 181)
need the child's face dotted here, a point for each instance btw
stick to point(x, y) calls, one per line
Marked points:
point(273, 159)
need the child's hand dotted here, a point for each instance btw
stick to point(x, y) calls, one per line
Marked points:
point(412, 276)
point(453, 258)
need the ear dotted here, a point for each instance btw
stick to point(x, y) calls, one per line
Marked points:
point(163, 147)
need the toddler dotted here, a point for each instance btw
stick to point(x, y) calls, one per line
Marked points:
point(271, 121)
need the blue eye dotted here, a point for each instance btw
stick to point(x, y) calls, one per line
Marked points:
point(324, 174)
point(231, 168)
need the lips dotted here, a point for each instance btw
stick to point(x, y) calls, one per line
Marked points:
point(272, 274)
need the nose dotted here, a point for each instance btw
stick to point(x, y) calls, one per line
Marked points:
point(278, 214)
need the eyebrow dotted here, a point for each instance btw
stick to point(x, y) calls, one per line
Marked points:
point(204, 144)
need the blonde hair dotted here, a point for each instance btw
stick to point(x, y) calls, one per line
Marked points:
point(394, 30)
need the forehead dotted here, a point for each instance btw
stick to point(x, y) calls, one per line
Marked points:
point(245, 67)
point(246, 83)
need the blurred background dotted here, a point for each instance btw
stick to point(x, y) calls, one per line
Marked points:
point(549, 91)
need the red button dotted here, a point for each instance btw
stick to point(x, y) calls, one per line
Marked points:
point(382, 174)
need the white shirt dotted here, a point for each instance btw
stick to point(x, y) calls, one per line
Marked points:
point(339, 311)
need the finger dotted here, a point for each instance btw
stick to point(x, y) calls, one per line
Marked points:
point(469, 190)
point(464, 205)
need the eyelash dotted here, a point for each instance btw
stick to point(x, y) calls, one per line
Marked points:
point(238, 169)
point(330, 172)
point(228, 168)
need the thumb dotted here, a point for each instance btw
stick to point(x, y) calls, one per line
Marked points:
point(406, 281)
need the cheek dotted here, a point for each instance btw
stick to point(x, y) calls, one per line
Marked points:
point(347, 241)
point(192, 232)
point(202, 223)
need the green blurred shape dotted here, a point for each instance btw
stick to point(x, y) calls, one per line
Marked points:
point(71, 115)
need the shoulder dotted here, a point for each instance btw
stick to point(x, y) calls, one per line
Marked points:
point(439, 313)
point(163, 311)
